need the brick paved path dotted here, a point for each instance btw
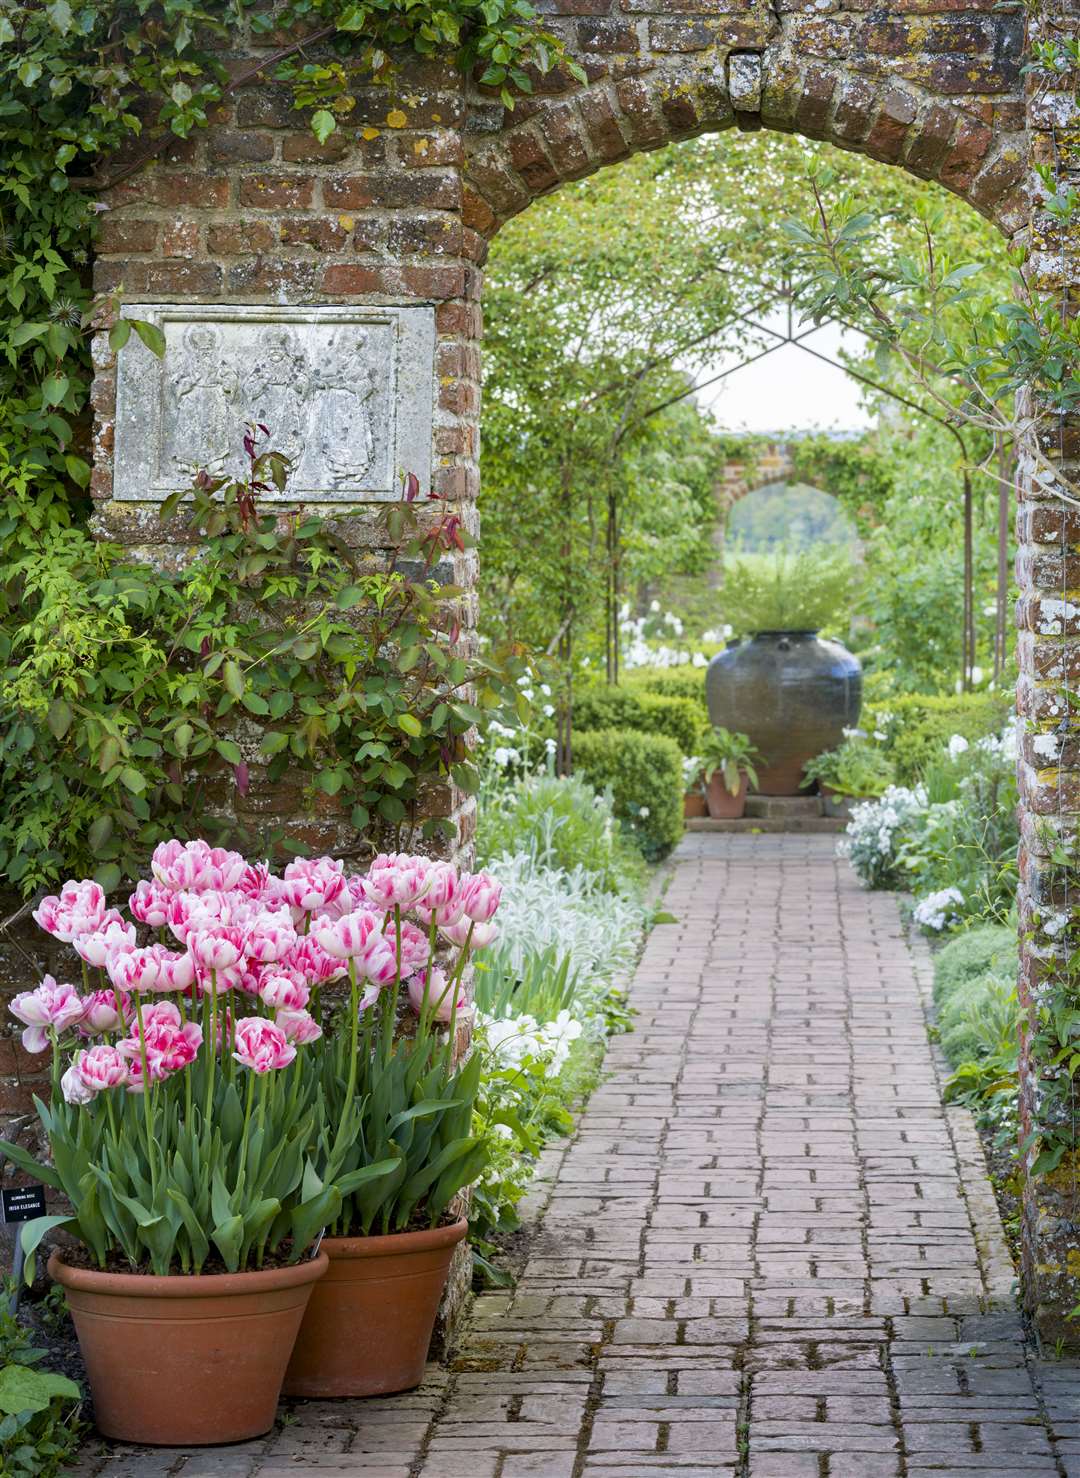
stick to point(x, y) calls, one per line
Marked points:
point(768, 1250)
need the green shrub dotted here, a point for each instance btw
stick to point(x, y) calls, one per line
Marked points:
point(980, 1016)
point(560, 823)
point(40, 1421)
point(644, 772)
point(920, 725)
point(677, 718)
point(979, 951)
point(671, 682)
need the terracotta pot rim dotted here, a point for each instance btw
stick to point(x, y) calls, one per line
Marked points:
point(187, 1285)
point(393, 1244)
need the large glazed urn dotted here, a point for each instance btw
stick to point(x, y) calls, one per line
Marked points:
point(792, 693)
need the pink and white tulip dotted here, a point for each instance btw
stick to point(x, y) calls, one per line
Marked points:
point(51, 1007)
point(261, 1045)
point(100, 1013)
point(101, 1067)
point(346, 937)
point(283, 993)
point(482, 895)
point(113, 935)
point(150, 903)
point(196, 867)
point(432, 992)
point(397, 880)
point(299, 1027)
point(314, 885)
point(79, 909)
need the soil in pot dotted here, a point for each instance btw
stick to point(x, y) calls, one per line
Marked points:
point(187, 1360)
point(723, 806)
point(368, 1326)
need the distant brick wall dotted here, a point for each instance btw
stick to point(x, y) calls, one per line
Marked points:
point(256, 211)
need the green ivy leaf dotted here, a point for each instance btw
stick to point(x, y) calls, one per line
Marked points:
point(323, 125)
point(150, 334)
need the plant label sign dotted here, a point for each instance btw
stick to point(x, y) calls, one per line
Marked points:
point(22, 1203)
point(346, 393)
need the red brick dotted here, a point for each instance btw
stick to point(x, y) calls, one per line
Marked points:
point(435, 282)
point(116, 235)
point(240, 238)
point(529, 158)
point(813, 107)
point(357, 192)
point(233, 147)
point(180, 239)
point(602, 126)
point(304, 148)
point(153, 187)
point(275, 191)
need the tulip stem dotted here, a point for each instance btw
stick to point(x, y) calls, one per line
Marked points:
point(148, 1108)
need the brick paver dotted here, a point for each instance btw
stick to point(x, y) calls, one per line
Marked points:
point(768, 1251)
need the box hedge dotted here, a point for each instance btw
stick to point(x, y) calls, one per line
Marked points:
point(644, 774)
point(676, 718)
point(920, 725)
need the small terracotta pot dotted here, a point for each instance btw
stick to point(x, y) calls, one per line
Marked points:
point(723, 806)
point(188, 1360)
point(694, 805)
point(368, 1325)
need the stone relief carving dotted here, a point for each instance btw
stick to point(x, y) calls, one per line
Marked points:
point(346, 393)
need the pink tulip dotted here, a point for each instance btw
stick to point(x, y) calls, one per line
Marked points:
point(433, 991)
point(177, 971)
point(195, 867)
point(283, 993)
point(101, 1067)
point(346, 937)
point(216, 948)
point(482, 934)
point(258, 883)
point(150, 903)
point(113, 935)
point(309, 960)
point(415, 948)
point(262, 1045)
point(397, 879)
point(50, 1006)
point(74, 1089)
point(314, 886)
point(100, 1013)
point(299, 1027)
point(78, 910)
point(379, 962)
point(482, 895)
point(191, 911)
point(270, 939)
point(169, 1043)
point(134, 969)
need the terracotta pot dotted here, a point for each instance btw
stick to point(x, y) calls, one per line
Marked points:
point(368, 1325)
point(792, 694)
point(694, 804)
point(188, 1360)
point(723, 806)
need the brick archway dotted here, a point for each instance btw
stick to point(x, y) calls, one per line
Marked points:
point(664, 80)
point(398, 208)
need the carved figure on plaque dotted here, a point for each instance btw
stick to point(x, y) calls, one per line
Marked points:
point(204, 404)
point(277, 392)
point(344, 439)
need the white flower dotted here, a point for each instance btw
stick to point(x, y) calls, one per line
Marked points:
point(644, 812)
point(654, 606)
point(958, 745)
point(504, 756)
point(934, 911)
point(699, 659)
point(879, 736)
point(547, 710)
point(550, 745)
point(976, 675)
point(545, 689)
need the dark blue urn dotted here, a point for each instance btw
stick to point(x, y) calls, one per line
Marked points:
point(792, 692)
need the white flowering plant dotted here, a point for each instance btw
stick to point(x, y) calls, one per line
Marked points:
point(876, 832)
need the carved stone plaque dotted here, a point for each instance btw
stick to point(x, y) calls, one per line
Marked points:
point(345, 391)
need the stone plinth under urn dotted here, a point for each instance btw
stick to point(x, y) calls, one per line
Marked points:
point(792, 692)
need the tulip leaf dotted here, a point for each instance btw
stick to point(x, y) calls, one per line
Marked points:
point(31, 1235)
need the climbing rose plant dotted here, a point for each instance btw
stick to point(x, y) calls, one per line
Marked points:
point(227, 1080)
point(146, 702)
